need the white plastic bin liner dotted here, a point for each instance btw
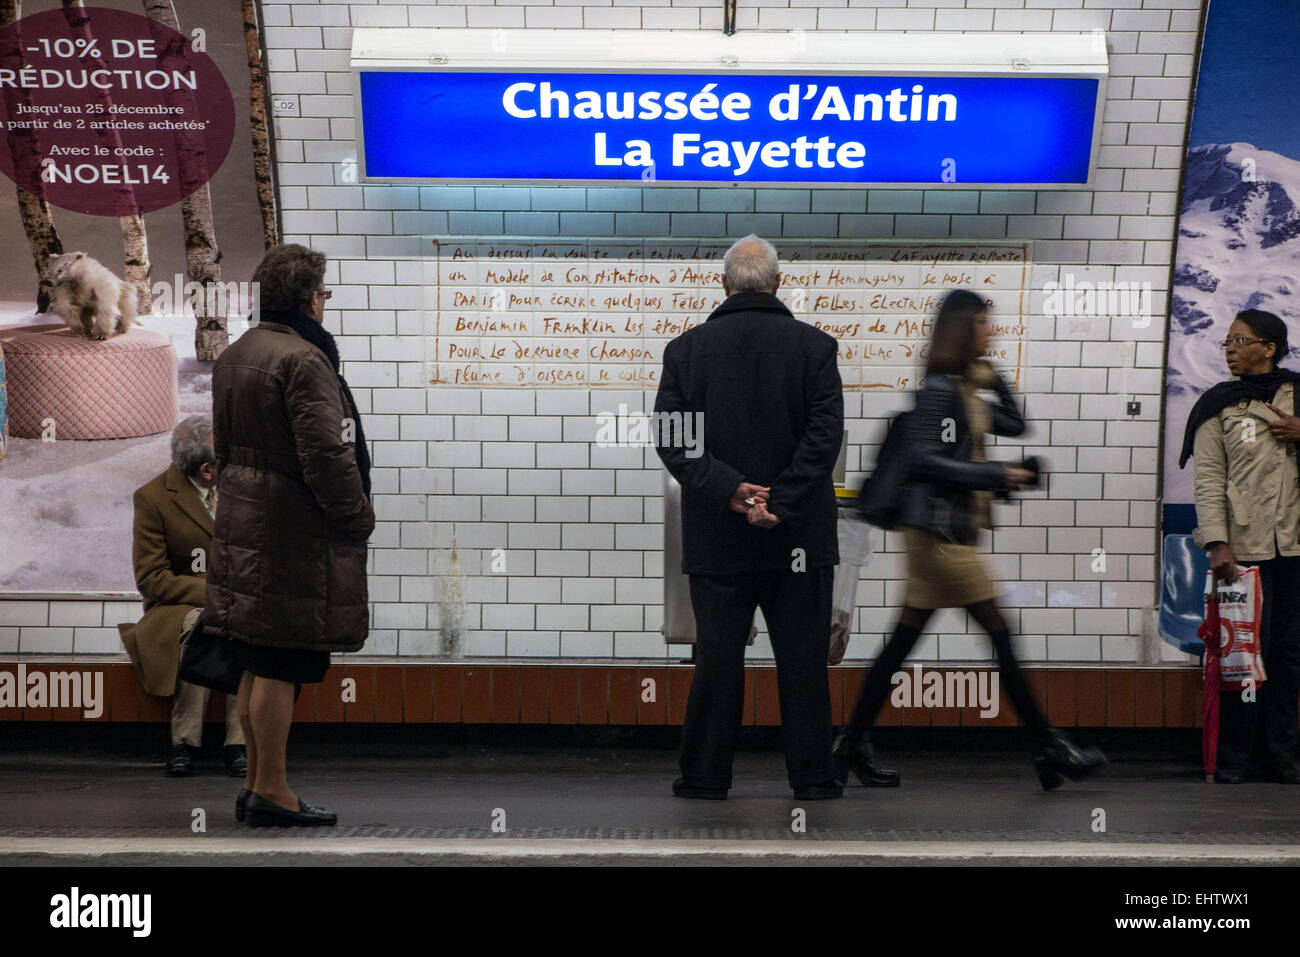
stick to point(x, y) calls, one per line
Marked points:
point(855, 553)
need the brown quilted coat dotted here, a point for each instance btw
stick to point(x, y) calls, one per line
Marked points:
point(287, 566)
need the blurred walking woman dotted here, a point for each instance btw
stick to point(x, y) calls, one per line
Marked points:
point(287, 572)
point(1243, 433)
point(946, 501)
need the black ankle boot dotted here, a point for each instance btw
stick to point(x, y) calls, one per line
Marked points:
point(1057, 757)
point(857, 755)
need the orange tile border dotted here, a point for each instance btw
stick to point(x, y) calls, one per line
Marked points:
point(505, 694)
point(836, 679)
point(329, 696)
point(417, 684)
point(767, 699)
point(654, 711)
point(593, 695)
point(1182, 700)
point(362, 710)
point(534, 695)
point(1121, 698)
point(623, 694)
point(390, 697)
point(679, 689)
point(564, 695)
point(476, 696)
point(1149, 700)
point(125, 694)
point(498, 693)
point(448, 694)
point(1061, 700)
point(1090, 695)
point(304, 709)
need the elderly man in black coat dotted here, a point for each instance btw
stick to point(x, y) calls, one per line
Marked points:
point(758, 516)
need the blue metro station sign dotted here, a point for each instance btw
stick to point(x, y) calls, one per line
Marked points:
point(804, 127)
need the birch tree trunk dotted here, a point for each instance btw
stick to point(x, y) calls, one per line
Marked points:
point(262, 160)
point(202, 254)
point(135, 240)
point(38, 223)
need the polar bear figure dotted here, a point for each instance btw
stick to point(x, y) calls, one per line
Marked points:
point(89, 297)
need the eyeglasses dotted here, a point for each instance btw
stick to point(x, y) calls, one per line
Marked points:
point(1239, 341)
point(325, 293)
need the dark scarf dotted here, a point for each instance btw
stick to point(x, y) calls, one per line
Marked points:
point(1219, 397)
point(320, 337)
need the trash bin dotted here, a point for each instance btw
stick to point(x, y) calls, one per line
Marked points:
point(855, 552)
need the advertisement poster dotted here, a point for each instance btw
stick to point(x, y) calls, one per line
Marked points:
point(1239, 227)
point(135, 202)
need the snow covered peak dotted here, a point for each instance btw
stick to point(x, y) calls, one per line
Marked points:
point(1254, 192)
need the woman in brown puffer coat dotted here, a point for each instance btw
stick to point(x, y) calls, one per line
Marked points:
point(287, 570)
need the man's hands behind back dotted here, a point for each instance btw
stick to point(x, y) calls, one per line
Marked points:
point(750, 500)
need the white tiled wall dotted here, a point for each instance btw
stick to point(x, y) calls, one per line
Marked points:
point(459, 472)
point(64, 626)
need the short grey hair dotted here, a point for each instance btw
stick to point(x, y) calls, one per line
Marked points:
point(751, 265)
point(192, 444)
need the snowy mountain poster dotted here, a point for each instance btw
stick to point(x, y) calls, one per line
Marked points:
point(1238, 243)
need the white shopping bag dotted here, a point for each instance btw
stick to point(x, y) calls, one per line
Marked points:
point(1240, 604)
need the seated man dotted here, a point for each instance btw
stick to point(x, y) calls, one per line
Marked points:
point(174, 515)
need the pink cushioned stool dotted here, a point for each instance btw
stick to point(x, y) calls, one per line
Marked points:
point(116, 389)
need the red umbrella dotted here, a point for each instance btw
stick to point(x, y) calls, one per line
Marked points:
point(1210, 633)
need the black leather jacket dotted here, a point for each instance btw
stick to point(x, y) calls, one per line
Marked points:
point(939, 446)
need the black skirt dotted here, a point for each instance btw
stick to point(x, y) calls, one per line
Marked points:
point(281, 664)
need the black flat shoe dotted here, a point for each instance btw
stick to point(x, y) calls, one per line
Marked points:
point(1058, 758)
point(1229, 776)
point(181, 764)
point(241, 803)
point(236, 760)
point(684, 790)
point(819, 792)
point(263, 813)
point(858, 756)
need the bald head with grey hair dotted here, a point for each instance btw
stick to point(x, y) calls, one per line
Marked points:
point(192, 444)
point(751, 266)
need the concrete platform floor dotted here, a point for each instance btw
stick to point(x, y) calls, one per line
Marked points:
point(422, 803)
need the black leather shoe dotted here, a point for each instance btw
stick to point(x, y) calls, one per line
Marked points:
point(1057, 758)
point(858, 756)
point(181, 763)
point(684, 790)
point(1229, 776)
point(236, 760)
point(819, 792)
point(241, 803)
point(263, 813)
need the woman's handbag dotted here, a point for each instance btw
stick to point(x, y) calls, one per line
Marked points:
point(880, 499)
point(206, 660)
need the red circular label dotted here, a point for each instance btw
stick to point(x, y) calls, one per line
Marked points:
point(109, 113)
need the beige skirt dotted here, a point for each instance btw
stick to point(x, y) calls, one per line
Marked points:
point(943, 575)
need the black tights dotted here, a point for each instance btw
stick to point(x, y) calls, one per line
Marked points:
point(910, 624)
